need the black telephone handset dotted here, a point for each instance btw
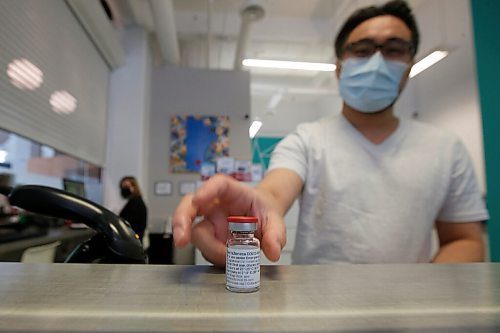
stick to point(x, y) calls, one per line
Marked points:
point(115, 241)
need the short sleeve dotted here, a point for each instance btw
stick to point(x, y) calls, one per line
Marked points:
point(291, 153)
point(464, 201)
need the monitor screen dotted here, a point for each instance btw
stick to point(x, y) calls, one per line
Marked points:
point(75, 187)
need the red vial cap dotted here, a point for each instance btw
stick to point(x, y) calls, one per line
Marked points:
point(242, 219)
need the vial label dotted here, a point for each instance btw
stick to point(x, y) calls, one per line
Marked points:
point(243, 267)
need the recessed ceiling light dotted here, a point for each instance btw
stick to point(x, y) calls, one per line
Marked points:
point(24, 74)
point(63, 102)
point(427, 62)
point(3, 156)
point(275, 100)
point(254, 128)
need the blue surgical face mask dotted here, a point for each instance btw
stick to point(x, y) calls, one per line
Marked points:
point(370, 84)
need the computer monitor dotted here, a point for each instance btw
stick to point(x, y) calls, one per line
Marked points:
point(74, 186)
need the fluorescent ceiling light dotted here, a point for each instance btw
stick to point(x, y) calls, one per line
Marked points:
point(274, 101)
point(254, 128)
point(24, 75)
point(3, 156)
point(279, 64)
point(63, 102)
point(427, 62)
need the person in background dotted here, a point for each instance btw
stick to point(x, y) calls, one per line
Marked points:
point(134, 211)
point(371, 186)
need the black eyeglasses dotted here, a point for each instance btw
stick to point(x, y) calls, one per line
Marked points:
point(394, 48)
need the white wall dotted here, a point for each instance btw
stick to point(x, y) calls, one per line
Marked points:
point(182, 91)
point(446, 94)
point(128, 118)
point(291, 111)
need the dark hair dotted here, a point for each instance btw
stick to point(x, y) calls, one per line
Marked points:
point(134, 183)
point(397, 8)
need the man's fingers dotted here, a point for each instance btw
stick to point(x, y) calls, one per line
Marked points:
point(183, 219)
point(218, 197)
point(213, 249)
point(273, 236)
point(223, 189)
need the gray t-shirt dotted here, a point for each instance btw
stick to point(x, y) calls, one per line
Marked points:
point(369, 203)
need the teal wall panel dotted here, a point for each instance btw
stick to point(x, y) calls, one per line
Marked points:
point(485, 18)
point(262, 148)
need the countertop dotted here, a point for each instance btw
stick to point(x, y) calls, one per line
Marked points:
point(333, 298)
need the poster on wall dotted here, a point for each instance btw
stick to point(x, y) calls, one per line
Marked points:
point(197, 140)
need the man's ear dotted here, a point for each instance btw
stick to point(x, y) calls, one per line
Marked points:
point(338, 67)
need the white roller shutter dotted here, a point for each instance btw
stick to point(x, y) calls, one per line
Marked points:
point(47, 34)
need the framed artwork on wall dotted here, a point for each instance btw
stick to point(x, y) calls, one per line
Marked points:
point(163, 188)
point(195, 140)
point(187, 187)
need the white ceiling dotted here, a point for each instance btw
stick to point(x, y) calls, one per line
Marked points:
point(291, 29)
point(299, 30)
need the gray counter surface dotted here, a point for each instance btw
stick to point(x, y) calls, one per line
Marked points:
point(334, 298)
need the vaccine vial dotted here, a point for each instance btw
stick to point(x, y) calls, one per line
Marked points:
point(242, 255)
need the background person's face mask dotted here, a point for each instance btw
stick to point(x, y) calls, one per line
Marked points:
point(370, 84)
point(125, 192)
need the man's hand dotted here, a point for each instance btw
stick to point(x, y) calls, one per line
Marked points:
point(220, 197)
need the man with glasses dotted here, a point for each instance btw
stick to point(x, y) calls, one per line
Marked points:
point(371, 186)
